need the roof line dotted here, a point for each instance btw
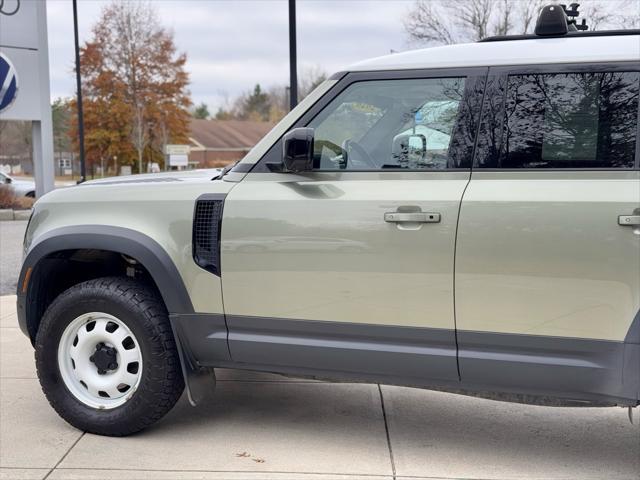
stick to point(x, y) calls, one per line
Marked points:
point(198, 144)
point(592, 33)
point(224, 149)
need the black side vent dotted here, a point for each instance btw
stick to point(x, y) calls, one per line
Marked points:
point(207, 223)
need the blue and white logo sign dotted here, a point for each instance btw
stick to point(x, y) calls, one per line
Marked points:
point(8, 83)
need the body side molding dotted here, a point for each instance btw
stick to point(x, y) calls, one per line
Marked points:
point(561, 366)
point(348, 347)
point(524, 368)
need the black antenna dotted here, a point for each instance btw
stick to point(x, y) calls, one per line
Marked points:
point(572, 14)
point(556, 20)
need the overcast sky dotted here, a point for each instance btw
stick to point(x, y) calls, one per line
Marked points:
point(232, 45)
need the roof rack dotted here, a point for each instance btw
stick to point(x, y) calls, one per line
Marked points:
point(532, 36)
point(561, 21)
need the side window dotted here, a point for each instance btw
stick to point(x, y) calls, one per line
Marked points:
point(389, 124)
point(573, 120)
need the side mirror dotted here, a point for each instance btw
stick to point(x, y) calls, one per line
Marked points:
point(297, 150)
point(417, 148)
point(409, 150)
point(7, 180)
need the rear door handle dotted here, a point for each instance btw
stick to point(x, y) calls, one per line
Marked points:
point(412, 217)
point(631, 220)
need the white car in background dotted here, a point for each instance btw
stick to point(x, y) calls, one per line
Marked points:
point(22, 188)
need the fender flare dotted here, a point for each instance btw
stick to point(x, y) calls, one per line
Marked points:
point(128, 242)
point(120, 240)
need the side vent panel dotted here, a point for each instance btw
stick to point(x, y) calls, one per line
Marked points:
point(207, 223)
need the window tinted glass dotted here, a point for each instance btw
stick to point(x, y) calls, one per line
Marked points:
point(390, 124)
point(576, 120)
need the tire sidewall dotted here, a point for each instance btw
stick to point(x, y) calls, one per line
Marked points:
point(66, 308)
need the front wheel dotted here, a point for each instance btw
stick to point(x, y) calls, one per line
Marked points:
point(106, 357)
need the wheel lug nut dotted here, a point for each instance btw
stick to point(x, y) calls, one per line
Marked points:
point(113, 366)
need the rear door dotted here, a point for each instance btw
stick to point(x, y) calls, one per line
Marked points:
point(548, 257)
point(349, 268)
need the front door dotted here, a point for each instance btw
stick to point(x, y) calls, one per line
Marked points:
point(548, 257)
point(349, 268)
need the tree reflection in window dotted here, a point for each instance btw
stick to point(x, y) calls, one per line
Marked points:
point(575, 120)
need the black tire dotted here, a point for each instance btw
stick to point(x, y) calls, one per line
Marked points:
point(144, 313)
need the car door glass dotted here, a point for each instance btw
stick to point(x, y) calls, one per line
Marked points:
point(569, 120)
point(390, 124)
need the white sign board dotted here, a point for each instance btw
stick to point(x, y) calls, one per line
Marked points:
point(178, 160)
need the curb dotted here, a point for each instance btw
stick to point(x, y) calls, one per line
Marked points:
point(7, 215)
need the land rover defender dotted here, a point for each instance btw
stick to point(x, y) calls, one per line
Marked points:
point(463, 218)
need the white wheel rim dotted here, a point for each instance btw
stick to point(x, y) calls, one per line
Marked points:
point(110, 387)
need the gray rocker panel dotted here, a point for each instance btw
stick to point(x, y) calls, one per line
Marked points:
point(565, 367)
point(347, 347)
point(573, 369)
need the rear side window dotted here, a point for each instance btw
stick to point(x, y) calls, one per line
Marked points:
point(568, 120)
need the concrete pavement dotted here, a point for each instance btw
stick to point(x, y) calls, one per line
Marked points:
point(261, 426)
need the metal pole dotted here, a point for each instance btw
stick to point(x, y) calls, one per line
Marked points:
point(83, 171)
point(42, 130)
point(293, 62)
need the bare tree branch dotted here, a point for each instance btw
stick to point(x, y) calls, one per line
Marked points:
point(443, 22)
point(426, 23)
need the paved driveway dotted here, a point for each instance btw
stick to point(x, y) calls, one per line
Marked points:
point(260, 426)
point(11, 236)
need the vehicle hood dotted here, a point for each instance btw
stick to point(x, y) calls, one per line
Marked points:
point(139, 189)
point(163, 177)
point(21, 183)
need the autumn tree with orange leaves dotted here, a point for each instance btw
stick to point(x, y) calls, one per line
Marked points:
point(134, 87)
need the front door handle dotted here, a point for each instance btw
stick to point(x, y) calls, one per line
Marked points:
point(631, 220)
point(412, 217)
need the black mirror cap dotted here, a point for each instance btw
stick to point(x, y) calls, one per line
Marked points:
point(552, 21)
point(297, 150)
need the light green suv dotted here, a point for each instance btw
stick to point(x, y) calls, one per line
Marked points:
point(462, 218)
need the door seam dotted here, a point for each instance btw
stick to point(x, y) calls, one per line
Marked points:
point(455, 243)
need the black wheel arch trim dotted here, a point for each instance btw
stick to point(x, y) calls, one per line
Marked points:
point(110, 238)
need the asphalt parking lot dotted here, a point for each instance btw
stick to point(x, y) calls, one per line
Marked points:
point(11, 235)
